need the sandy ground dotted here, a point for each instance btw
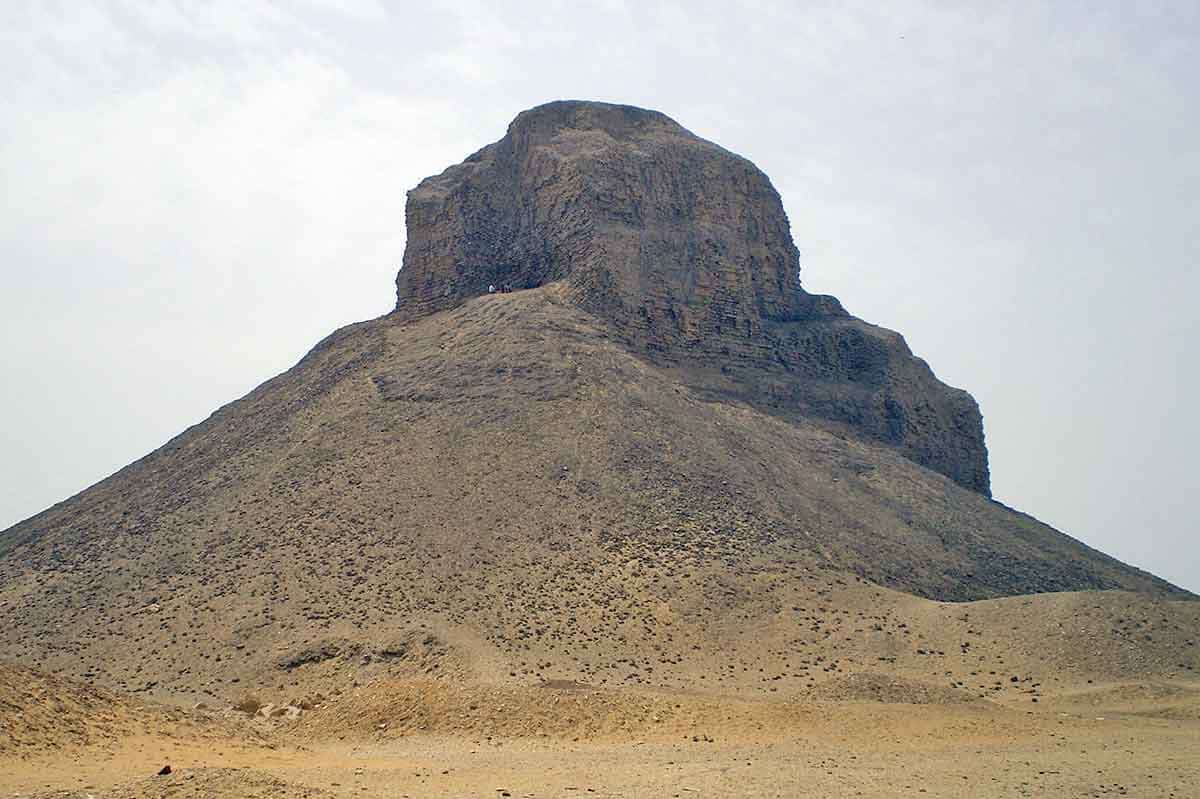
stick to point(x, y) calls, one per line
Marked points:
point(1128, 740)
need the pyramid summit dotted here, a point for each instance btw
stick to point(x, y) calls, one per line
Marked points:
point(638, 215)
point(684, 250)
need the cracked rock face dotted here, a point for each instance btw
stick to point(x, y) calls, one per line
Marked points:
point(684, 249)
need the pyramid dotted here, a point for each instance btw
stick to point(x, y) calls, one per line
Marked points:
point(605, 437)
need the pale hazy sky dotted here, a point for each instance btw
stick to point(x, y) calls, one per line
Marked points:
point(192, 194)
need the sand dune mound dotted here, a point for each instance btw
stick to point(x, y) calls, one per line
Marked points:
point(40, 712)
point(43, 713)
point(562, 710)
point(1174, 700)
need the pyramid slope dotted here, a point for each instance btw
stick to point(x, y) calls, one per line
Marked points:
point(504, 485)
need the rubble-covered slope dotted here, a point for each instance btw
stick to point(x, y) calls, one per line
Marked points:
point(483, 488)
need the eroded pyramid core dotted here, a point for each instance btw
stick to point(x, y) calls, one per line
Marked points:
point(683, 248)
